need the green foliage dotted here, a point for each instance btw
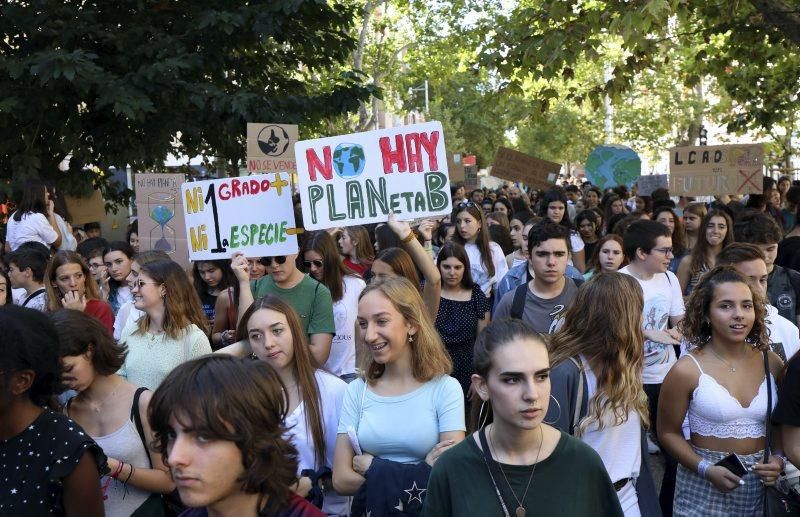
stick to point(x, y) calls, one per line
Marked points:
point(125, 82)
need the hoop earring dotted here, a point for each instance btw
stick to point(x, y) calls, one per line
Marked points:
point(559, 411)
point(485, 417)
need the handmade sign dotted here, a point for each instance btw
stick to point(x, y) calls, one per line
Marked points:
point(648, 183)
point(516, 166)
point(253, 215)
point(612, 165)
point(270, 148)
point(716, 170)
point(160, 215)
point(455, 167)
point(84, 210)
point(360, 178)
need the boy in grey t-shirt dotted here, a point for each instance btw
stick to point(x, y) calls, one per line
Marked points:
point(549, 293)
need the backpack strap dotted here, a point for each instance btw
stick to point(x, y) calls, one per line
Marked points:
point(137, 420)
point(518, 302)
point(576, 417)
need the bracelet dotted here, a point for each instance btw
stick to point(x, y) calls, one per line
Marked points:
point(130, 474)
point(408, 238)
point(702, 467)
point(117, 471)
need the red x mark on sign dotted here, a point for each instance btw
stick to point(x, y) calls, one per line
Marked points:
point(747, 179)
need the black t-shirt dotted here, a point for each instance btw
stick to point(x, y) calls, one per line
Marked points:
point(34, 463)
point(782, 289)
point(789, 253)
point(788, 409)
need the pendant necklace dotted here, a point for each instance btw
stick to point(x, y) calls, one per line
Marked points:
point(726, 363)
point(520, 511)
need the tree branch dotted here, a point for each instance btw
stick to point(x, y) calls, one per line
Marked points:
point(780, 15)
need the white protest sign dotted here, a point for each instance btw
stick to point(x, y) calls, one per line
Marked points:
point(359, 178)
point(253, 215)
point(647, 183)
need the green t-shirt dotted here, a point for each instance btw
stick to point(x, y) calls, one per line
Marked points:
point(571, 481)
point(310, 299)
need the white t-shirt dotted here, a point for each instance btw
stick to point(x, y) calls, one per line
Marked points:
point(126, 315)
point(32, 227)
point(331, 392)
point(342, 359)
point(662, 300)
point(68, 241)
point(783, 334)
point(479, 274)
point(618, 446)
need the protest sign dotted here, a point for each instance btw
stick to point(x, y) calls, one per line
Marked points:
point(455, 167)
point(84, 210)
point(611, 165)
point(270, 148)
point(716, 170)
point(160, 215)
point(253, 215)
point(646, 184)
point(516, 166)
point(360, 178)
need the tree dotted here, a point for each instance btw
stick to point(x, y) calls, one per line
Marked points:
point(125, 82)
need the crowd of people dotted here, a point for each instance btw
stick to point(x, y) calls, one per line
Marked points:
point(523, 355)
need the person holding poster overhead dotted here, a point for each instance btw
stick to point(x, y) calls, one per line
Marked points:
point(487, 261)
point(311, 299)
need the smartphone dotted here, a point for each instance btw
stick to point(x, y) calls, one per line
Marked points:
point(734, 464)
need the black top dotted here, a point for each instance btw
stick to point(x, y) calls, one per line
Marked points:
point(789, 253)
point(788, 408)
point(34, 463)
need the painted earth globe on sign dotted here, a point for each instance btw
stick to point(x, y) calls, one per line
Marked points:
point(612, 165)
point(273, 140)
point(348, 160)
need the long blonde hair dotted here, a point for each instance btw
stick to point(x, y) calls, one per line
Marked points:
point(429, 358)
point(604, 324)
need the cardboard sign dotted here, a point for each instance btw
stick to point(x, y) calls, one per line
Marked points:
point(455, 167)
point(253, 214)
point(610, 165)
point(270, 148)
point(716, 170)
point(516, 166)
point(160, 215)
point(86, 210)
point(648, 183)
point(360, 178)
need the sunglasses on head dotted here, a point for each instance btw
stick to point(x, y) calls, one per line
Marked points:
point(316, 263)
point(466, 203)
point(278, 260)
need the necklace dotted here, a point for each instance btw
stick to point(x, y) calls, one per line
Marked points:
point(520, 511)
point(729, 365)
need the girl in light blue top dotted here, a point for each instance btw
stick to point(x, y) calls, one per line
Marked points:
point(407, 410)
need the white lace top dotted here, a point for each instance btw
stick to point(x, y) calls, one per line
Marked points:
point(713, 411)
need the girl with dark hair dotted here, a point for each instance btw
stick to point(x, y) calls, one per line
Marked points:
point(612, 205)
point(70, 285)
point(34, 219)
point(503, 205)
point(517, 224)
point(321, 260)
point(588, 225)
point(212, 278)
point(355, 246)
point(608, 353)
point(113, 412)
point(272, 331)
point(693, 216)
point(172, 329)
point(132, 236)
point(117, 258)
point(487, 260)
point(463, 310)
point(608, 257)
point(554, 207)
point(406, 376)
point(5, 289)
point(666, 216)
point(722, 386)
point(385, 238)
point(444, 234)
point(717, 232)
point(50, 466)
point(514, 463)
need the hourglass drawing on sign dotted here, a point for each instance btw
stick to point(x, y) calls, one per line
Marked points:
point(161, 208)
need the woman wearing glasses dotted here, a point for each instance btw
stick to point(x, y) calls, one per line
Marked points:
point(69, 285)
point(311, 299)
point(323, 264)
point(172, 329)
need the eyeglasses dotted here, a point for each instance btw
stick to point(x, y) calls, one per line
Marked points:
point(315, 263)
point(665, 251)
point(466, 203)
point(278, 260)
point(139, 283)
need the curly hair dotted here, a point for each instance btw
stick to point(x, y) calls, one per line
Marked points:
point(429, 358)
point(235, 400)
point(696, 328)
point(615, 345)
